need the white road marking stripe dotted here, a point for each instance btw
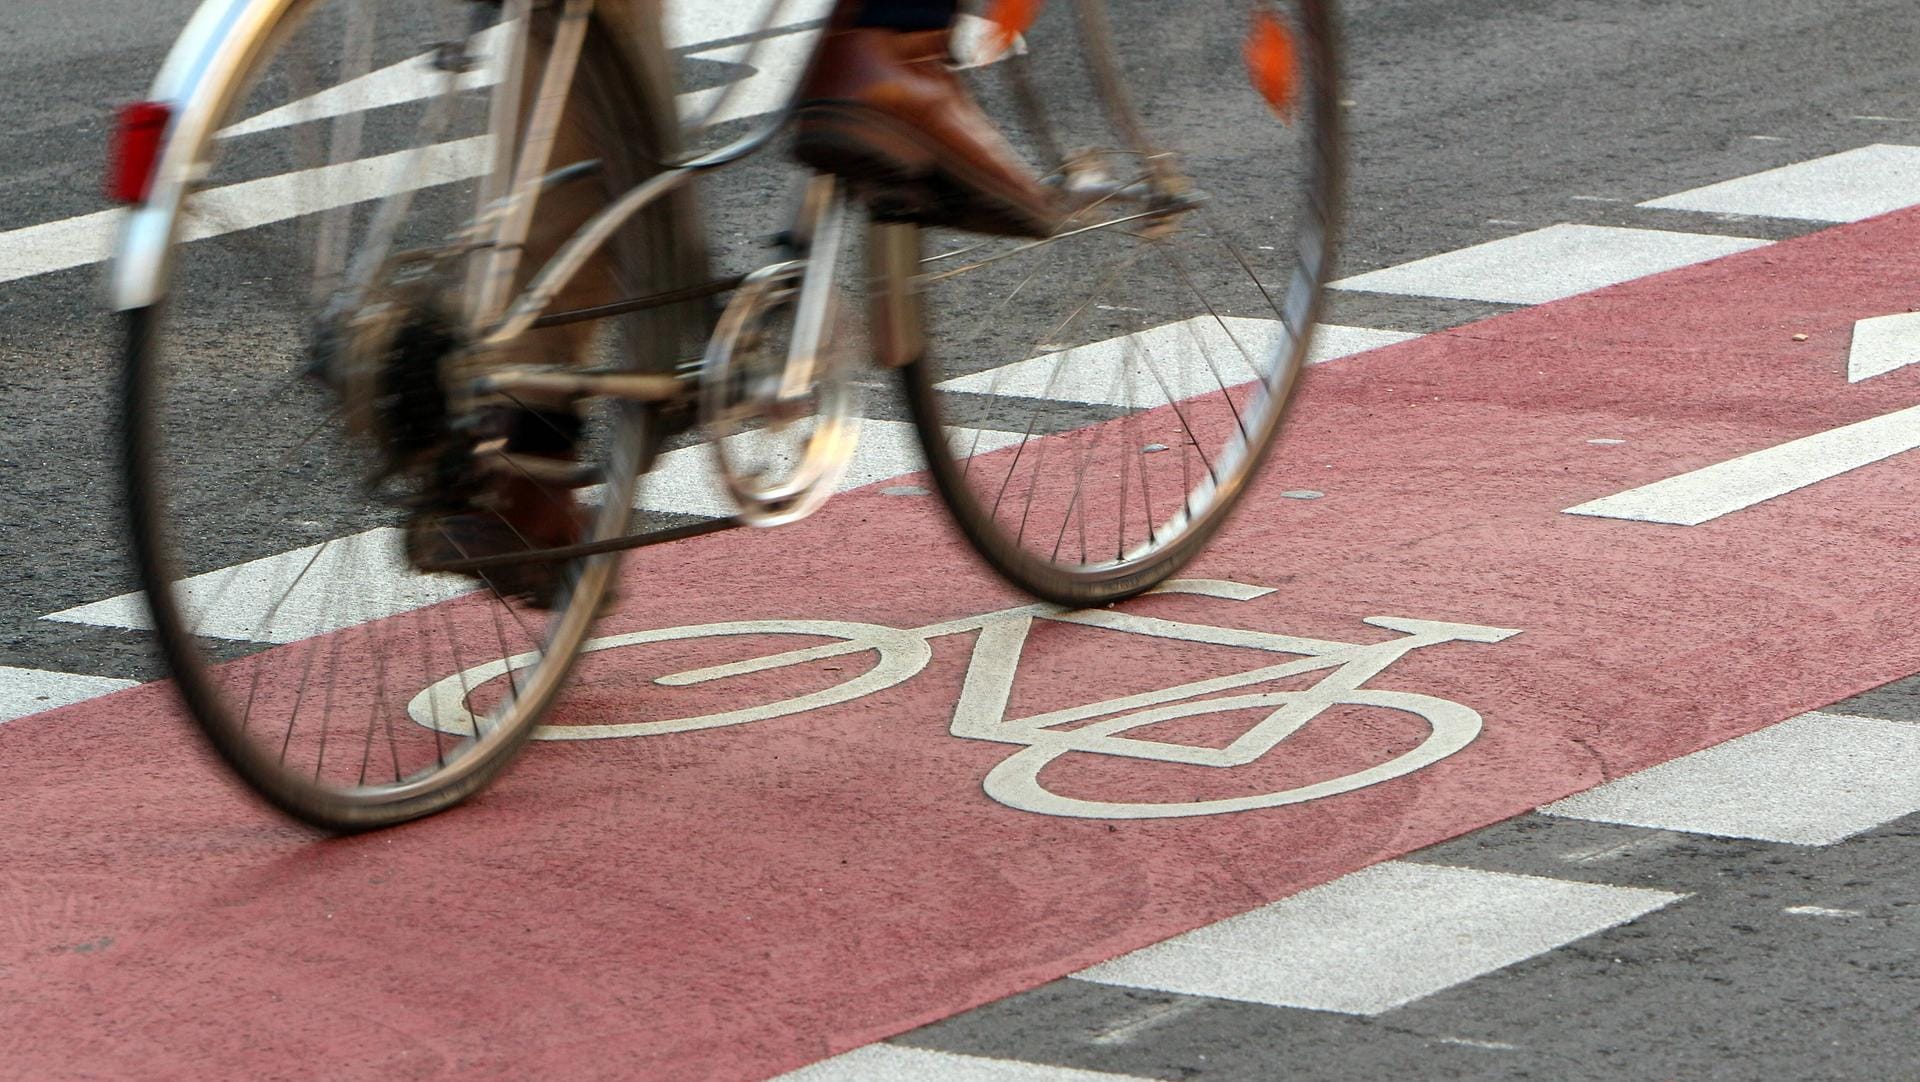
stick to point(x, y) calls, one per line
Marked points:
point(688, 26)
point(776, 70)
point(24, 692)
point(1844, 187)
point(1725, 487)
point(1810, 780)
point(76, 242)
point(362, 577)
point(1882, 344)
point(342, 584)
point(1379, 938)
point(1092, 373)
point(1548, 264)
point(898, 1063)
point(694, 24)
point(89, 238)
point(57, 246)
point(395, 84)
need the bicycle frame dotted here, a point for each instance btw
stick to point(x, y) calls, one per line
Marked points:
point(226, 37)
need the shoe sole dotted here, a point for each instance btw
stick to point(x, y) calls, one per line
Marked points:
point(905, 176)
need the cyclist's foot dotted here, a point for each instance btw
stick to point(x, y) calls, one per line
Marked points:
point(882, 109)
point(516, 512)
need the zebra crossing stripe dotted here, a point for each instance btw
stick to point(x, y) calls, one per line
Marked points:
point(1379, 938)
point(1548, 264)
point(1844, 187)
point(24, 692)
point(1811, 780)
point(895, 1063)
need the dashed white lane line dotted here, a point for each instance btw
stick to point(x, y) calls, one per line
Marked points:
point(694, 24)
point(1811, 780)
point(31, 691)
point(1183, 359)
point(1705, 494)
point(292, 596)
point(897, 1063)
point(76, 242)
point(363, 577)
point(1844, 187)
point(1548, 264)
point(395, 84)
point(89, 238)
point(1379, 938)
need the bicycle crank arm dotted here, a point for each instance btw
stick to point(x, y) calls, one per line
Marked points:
point(559, 383)
point(821, 220)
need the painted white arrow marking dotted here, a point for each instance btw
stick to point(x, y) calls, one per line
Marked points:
point(1882, 344)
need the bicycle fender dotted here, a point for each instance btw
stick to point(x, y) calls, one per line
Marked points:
point(196, 84)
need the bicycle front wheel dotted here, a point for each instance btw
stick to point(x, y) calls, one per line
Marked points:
point(269, 494)
point(1093, 405)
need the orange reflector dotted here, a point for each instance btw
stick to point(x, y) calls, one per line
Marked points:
point(1273, 64)
point(1010, 19)
point(136, 150)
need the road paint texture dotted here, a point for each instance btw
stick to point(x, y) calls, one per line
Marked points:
point(1812, 780)
point(1548, 264)
point(1844, 187)
point(1379, 938)
point(1734, 485)
point(735, 902)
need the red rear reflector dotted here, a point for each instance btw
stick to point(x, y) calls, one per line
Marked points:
point(135, 151)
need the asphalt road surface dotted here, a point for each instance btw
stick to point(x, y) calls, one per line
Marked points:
point(1595, 940)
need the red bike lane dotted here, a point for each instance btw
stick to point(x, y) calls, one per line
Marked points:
point(735, 901)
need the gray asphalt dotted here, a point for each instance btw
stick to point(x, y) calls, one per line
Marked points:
point(1471, 120)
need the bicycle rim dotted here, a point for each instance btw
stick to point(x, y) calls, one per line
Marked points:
point(1093, 406)
point(279, 590)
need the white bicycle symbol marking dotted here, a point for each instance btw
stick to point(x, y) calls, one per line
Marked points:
point(980, 713)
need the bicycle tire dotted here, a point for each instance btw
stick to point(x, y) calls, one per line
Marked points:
point(950, 404)
point(170, 543)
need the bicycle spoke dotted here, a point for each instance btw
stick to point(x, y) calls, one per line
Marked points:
point(328, 203)
point(1176, 156)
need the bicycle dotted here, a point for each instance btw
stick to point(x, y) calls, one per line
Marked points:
point(333, 198)
point(980, 711)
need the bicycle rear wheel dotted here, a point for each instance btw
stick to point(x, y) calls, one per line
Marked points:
point(1092, 406)
point(269, 495)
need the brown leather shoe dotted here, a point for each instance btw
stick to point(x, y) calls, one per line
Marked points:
point(882, 109)
point(521, 514)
